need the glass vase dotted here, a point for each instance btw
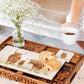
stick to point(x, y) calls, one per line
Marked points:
point(18, 38)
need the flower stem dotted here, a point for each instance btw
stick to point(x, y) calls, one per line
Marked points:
point(19, 34)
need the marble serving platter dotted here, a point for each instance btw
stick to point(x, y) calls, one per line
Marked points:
point(26, 67)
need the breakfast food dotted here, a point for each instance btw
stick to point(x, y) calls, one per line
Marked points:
point(36, 64)
point(51, 65)
point(46, 55)
point(21, 62)
point(63, 55)
point(14, 58)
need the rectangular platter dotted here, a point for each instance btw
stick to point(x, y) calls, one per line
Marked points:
point(64, 76)
point(26, 67)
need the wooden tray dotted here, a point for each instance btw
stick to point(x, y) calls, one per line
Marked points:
point(64, 76)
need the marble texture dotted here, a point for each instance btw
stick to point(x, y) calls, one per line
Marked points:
point(36, 25)
point(2, 38)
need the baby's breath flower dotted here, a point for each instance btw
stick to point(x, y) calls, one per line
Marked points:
point(18, 10)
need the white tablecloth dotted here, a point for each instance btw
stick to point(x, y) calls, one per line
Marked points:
point(79, 78)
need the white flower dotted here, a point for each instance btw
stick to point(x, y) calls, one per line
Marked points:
point(18, 10)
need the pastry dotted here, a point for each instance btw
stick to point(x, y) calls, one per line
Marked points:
point(21, 62)
point(46, 55)
point(51, 65)
point(63, 55)
point(14, 58)
point(36, 64)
